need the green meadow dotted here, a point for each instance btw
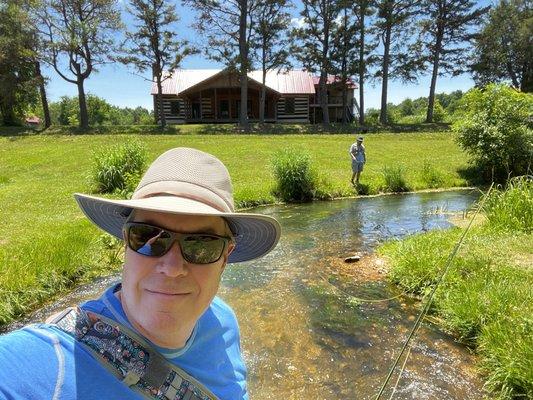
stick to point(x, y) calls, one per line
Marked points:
point(47, 246)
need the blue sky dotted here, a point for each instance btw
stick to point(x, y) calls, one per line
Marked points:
point(122, 86)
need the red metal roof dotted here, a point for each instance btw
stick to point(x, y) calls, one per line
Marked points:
point(33, 120)
point(333, 79)
point(291, 82)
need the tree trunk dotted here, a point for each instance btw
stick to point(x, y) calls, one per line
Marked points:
point(262, 100)
point(526, 83)
point(84, 115)
point(385, 79)
point(160, 108)
point(344, 104)
point(243, 55)
point(44, 100)
point(362, 69)
point(436, 59)
point(7, 110)
point(324, 98)
point(344, 68)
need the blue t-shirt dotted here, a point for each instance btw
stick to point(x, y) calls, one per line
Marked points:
point(42, 362)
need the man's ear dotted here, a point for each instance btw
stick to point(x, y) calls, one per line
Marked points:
point(231, 247)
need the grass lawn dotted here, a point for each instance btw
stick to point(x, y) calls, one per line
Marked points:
point(46, 245)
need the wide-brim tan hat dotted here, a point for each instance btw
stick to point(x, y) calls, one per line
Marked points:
point(189, 182)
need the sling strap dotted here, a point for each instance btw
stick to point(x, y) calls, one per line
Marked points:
point(130, 358)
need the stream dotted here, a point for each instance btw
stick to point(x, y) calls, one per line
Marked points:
point(310, 324)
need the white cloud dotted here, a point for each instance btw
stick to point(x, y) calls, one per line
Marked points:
point(298, 22)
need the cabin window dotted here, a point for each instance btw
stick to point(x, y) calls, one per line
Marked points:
point(175, 107)
point(289, 105)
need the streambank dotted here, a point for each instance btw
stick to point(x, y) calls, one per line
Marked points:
point(485, 301)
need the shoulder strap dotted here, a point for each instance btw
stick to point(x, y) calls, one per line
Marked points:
point(130, 358)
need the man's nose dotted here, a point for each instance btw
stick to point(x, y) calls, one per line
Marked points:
point(172, 263)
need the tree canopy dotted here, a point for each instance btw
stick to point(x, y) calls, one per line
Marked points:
point(503, 49)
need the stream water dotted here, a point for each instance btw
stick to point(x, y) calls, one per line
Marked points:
point(308, 331)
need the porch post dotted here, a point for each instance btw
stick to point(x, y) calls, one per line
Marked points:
point(216, 113)
point(201, 110)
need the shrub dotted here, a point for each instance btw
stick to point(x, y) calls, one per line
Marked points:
point(512, 209)
point(431, 177)
point(394, 179)
point(495, 128)
point(295, 180)
point(119, 168)
point(439, 113)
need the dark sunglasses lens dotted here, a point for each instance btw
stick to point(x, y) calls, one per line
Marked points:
point(202, 249)
point(149, 241)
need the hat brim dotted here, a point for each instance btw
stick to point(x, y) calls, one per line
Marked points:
point(255, 234)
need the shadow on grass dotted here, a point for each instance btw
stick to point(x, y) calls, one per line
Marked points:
point(473, 175)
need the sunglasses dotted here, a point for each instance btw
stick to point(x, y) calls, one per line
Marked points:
point(153, 241)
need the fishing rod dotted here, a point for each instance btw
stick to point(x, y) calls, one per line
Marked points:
point(426, 307)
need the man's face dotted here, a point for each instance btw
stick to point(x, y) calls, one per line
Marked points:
point(163, 297)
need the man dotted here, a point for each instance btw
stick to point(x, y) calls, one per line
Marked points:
point(161, 333)
point(357, 152)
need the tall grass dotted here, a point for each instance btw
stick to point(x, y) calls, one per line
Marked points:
point(512, 209)
point(431, 176)
point(486, 298)
point(119, 168)
point(394, 179)
point(296, 181)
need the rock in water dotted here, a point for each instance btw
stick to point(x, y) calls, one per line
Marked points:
point(352, 259)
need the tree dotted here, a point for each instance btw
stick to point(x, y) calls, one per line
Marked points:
point(315, 37)
point(495, 129)
point(78, 34)
point(228, 27)
point(504, 47)
point(42, 91)
point(153, 46)
point(272, 21)
point(394, 27)
point(362, 10)
point(17, 70)
point(445, 37)
point(343, 51)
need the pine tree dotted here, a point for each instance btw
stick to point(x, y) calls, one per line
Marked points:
point(363, 10)
point(446, 34)
point(315, 43)
point(395, 19)
point(153, 46)
point(270, 41)
point(228, 27)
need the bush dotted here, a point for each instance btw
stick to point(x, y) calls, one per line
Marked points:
point(512, 209)
point(431, 177)
point(119, 168)
point(495, 128)
point(394, 177)
point(295, 180)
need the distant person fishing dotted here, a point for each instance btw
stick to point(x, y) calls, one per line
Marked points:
point(357, 152)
